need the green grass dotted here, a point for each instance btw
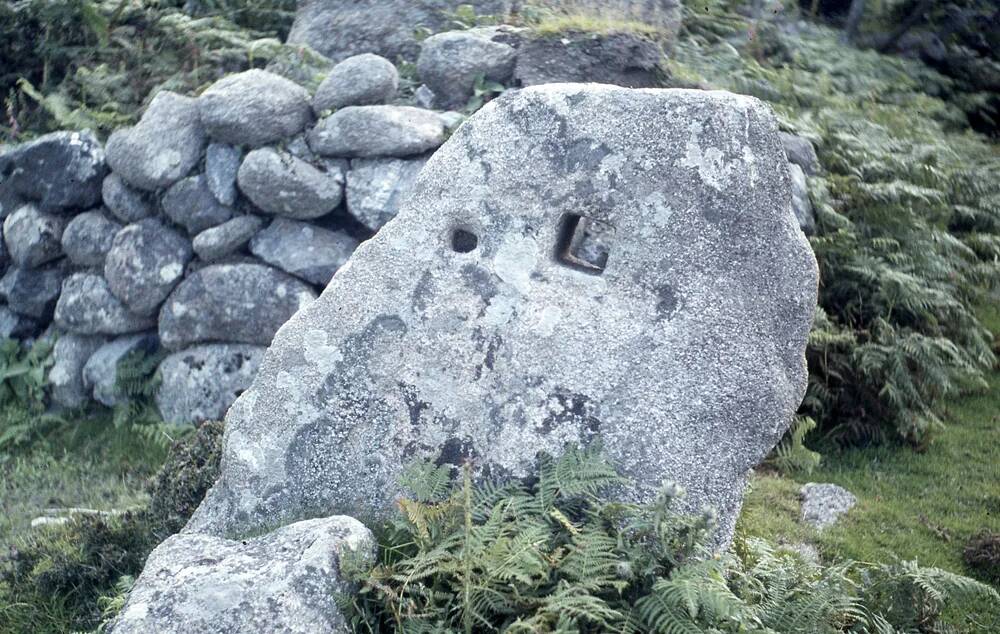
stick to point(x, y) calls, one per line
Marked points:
point(86, 463)
point(911, 505)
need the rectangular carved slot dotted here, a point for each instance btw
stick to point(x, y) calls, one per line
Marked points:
point(584, 243)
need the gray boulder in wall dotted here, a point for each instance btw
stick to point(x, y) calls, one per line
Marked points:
point(69, 355)
point(488, 321)
point(201, 382)
point(361, 80)
point(281, 184)
point(73, 165)
point(191, 204)
point(341, 28)
point(163, 147)
point(126, 203)
point(450, 63)
point(87, 306)
point(32, 292)
point(368, 131)
point(33, 237)
point(285, 581)
point(145, 263)
point(88, 238)
point(100, 373)
point(221, 165)
point(239, 303)
point(218, 242)
point(377, 187)
point(306, 251)
point(14, 326)
point(254, 108)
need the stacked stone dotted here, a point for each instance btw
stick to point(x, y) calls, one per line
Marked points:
point(203, 228)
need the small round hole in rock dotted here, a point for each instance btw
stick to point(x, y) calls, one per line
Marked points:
point(463, 241)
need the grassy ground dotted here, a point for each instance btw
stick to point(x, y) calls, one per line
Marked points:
point(90, 464)
point(911, 505)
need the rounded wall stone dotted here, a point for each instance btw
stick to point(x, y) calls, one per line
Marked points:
point(238, 303)
point(145, 263)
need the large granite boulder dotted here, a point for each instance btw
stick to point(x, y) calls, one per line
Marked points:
point(285, 581)
point(558, 275)
point(377, 187)
point(88, 238)
point(254, 108)
point(306, 251)
point(163, 147)
point(368, 131)
point(201, 382)
point(341, 28)
point(450, 63)
point(145, 263)
point(72, 164)
point(87, 306)
point(362, 80)
point(32, 236)
point(239, 303)
point(281, 184)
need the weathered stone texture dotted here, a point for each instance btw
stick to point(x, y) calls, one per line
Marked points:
point(472, 326)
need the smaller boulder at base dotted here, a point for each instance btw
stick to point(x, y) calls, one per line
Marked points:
point(200, 383)
point(285, 581)
point(254, 108)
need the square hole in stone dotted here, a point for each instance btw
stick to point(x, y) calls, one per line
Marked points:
point(585, 243)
